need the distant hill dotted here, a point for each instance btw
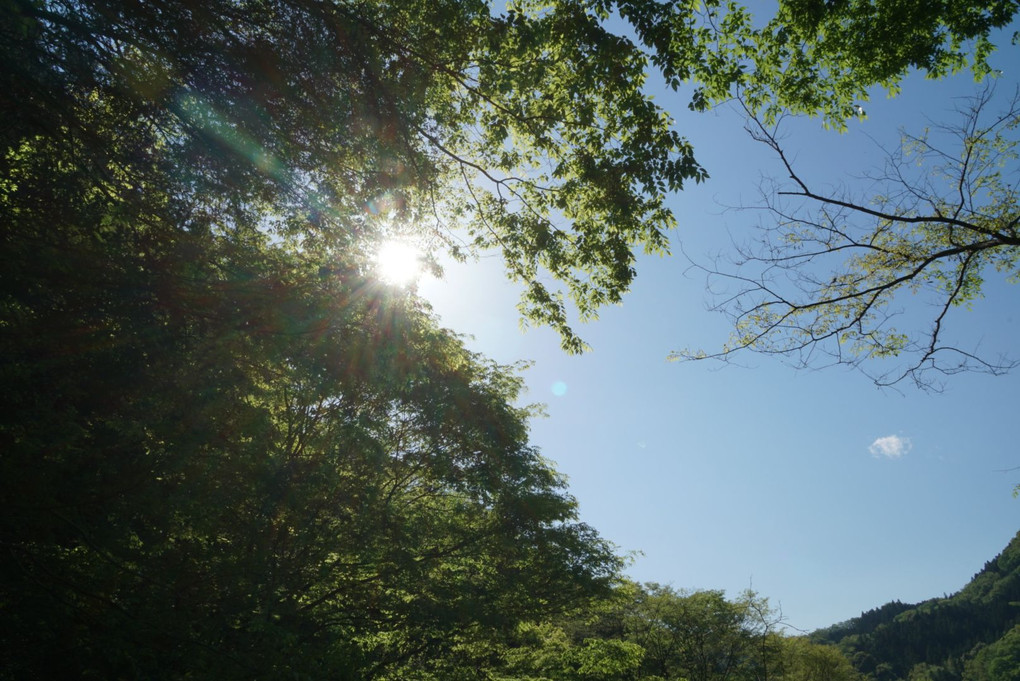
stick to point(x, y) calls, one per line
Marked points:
point(973, 635)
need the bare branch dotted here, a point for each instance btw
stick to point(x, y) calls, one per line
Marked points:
point(828, 275)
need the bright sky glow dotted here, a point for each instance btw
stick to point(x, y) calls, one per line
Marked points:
point(399, 262)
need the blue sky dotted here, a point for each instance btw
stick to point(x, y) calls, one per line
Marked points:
point(761, 475)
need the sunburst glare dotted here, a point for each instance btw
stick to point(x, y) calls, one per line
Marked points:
point(398, 262)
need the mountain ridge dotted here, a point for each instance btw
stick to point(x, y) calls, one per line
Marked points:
point(971, 635)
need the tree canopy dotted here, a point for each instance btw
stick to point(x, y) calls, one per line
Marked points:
point(225, 459)
point(824, 57)
point(830, 271)
point(528, 130)
point(228, 451)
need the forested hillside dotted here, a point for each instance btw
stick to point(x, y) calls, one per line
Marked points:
point(972, 635)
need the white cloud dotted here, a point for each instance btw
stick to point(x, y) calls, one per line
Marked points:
point(890, 446)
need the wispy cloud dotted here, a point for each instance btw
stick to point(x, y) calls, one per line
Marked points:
point(890, 446)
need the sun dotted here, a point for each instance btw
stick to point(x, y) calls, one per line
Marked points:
point(398, 263)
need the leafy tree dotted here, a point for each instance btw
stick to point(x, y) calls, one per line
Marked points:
point(585, 643)
point(651, 633)
point(701, 636)
point(800, 294)
point(530, 130)
point(224, 463)
point(999, 661)
point(227, 451)
point(823, 57)
point(930, 672)
point(800, 298)
point(807, 661)
point(604, 660)
point(831, 270)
